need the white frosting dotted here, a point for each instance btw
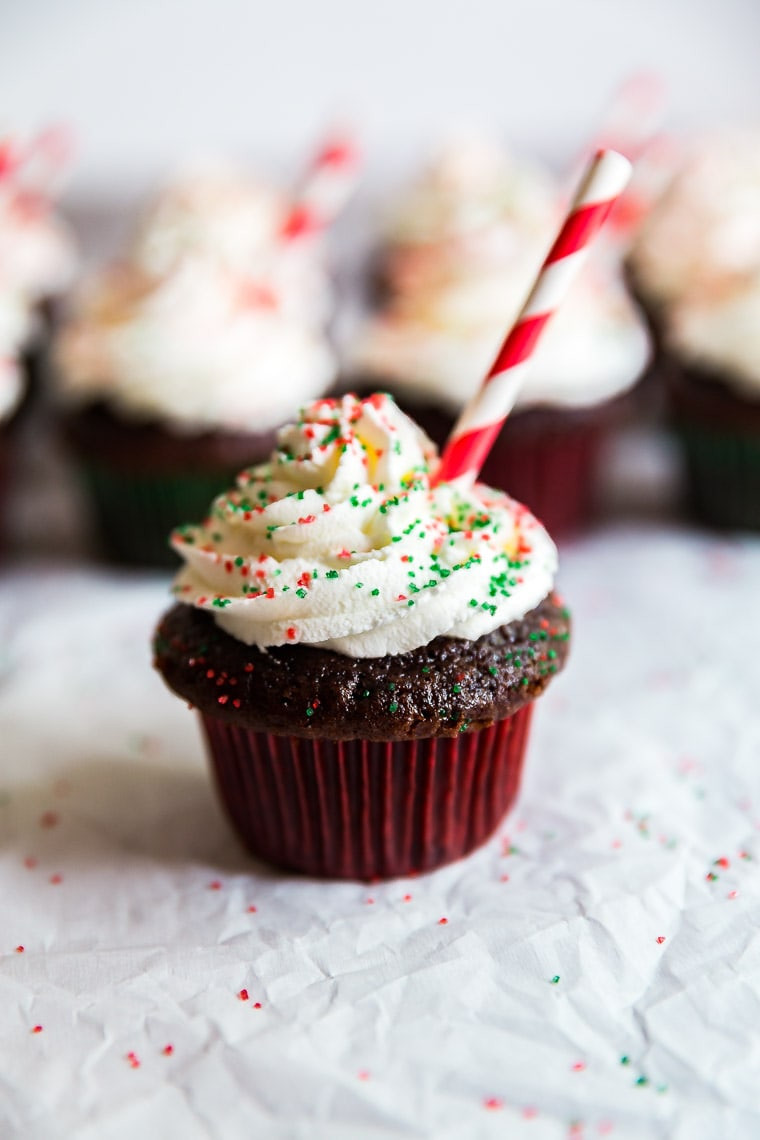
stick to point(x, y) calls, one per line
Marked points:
point(702, 238)
point(237, 221)
point(593, 350)
point(198, 348)
point(37, 250)
point(721, 335)
point(16, 323)
point(474, 189)
point(341, 542)
point(698, 257)
point(465, 250)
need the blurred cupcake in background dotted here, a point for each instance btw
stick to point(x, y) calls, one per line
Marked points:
point(695, 267)
point(170, 384)
point(180, 362)
point(38, 255)
point(463, 250)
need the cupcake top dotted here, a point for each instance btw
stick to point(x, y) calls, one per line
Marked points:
point(198, 348)
point(697, 258)
point(240, 223)
point(37, 249)
point(463, 252)
point(341, 541)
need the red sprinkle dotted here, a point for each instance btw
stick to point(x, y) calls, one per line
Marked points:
point(167, 1050)
point(252, 909)
point(30, 862)
point(442, 921)
point(223, 699)
point(243, 995)
point(493, 1102)
point(363, 1074)
point(660, 939)
point(215, 885)
point(579, 1066)
point(257, 1005)
point(290, 633)
point(36, 1029)
point(49, 819)
point(134, 1060)
point(56, 879)
point(248, 667)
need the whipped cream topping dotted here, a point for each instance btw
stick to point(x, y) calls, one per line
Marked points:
point(467, 246)
point(341, 541)
point(198, 348)
point(697, 256)
point(37, 249)
point(16, 326)
point(237, 221)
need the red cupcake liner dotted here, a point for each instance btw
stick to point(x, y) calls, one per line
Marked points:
point(365, 809)
point(553, 470)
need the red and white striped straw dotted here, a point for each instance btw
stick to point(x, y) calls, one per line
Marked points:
point(330, 182)
point(602, 184)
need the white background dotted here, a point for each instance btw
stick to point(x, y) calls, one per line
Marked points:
point(146, 82)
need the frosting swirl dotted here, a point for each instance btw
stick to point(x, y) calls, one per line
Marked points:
point(341, 541)
point(199, 348)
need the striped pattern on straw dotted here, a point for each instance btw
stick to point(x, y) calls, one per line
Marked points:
point(472, 438)
point(329, 184)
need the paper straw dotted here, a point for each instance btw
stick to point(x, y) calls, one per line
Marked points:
point(331, 181)
point(472, 438)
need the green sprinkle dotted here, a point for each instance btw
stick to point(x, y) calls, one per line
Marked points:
point(375, 592)
point(301, 593)
point(493, 670)
point(391, 686)
point(555, 979)
point(625, 1059)
point(331, 574)
point(310, 712)
point(393, 706)
point(456, 688)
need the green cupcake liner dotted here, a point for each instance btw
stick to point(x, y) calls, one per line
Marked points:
point(723, 475)
point(135, 512)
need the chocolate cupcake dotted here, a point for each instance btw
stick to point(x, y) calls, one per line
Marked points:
point(364, 648)
point(452, 283)
point(169, 384)
point(696, 270)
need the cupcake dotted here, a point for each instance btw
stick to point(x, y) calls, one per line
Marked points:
point(696, 270)
point(461, 258)
point(169, 384)
point(38, 257)
point(364, 648)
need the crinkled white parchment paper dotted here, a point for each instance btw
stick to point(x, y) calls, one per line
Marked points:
point(594, 971)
